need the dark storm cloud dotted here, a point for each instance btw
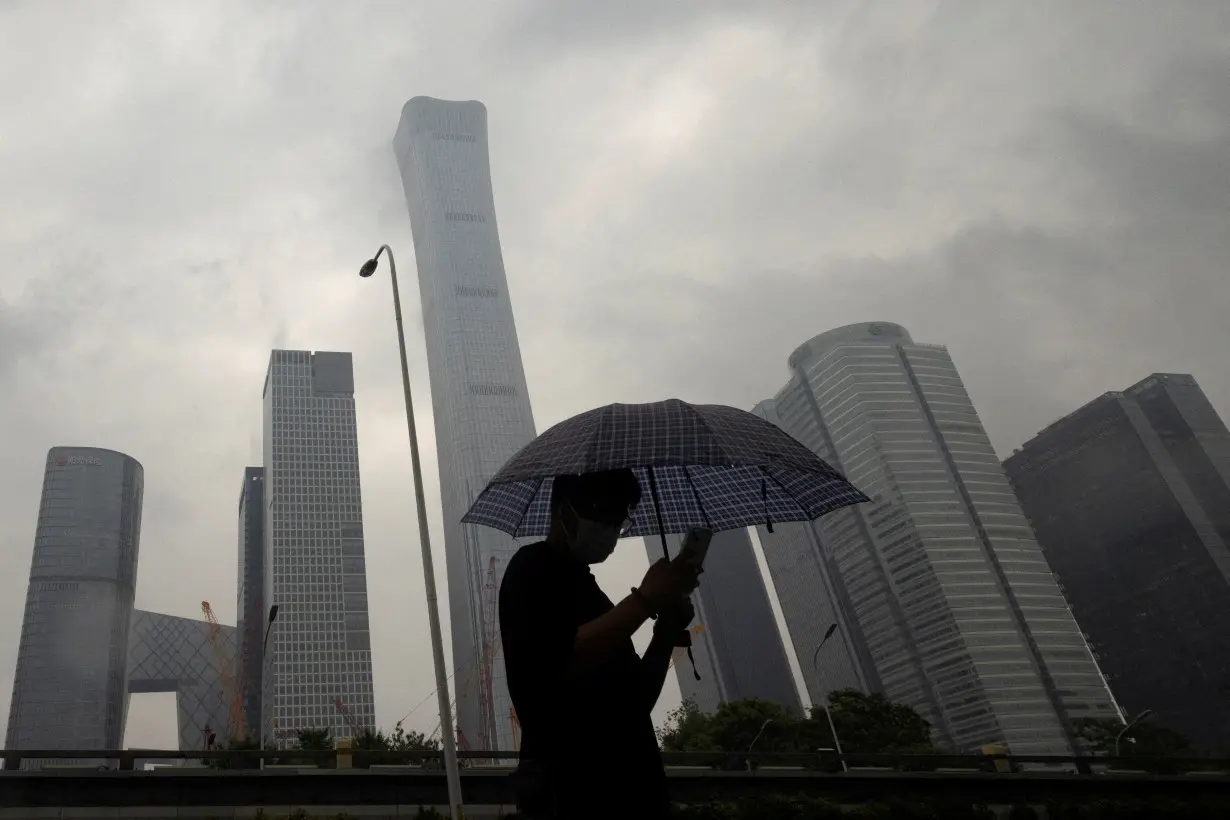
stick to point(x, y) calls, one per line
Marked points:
point(686, 192)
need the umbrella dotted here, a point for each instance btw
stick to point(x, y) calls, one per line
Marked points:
point(705, 465)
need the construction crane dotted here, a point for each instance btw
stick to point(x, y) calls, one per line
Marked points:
point(486, 696)
point(348, 716)
point(516, 729)
point(226, 673)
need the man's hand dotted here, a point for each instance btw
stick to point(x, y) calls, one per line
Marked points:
point(666, 582)
point(673, 621)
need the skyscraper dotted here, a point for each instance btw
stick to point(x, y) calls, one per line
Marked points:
point(738, 649)
point(1130, 497)
point(479, 398)
point(956, 610)
point(70, 684)
point(320, 646)
point(250, 611)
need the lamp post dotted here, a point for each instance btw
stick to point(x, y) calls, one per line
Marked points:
point(429, 574)
point(824, 704)
point(273, 616)
point(1130, 726)
point(752, 745)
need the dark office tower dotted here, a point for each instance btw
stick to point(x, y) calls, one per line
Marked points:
point(250, 606)
point(738, 648)
point(944, 589)
point(70, 685)
point(1130, 498)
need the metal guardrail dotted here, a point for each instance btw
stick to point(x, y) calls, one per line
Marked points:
point(126, 759)
point(408, 786)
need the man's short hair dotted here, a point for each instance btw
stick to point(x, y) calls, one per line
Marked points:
point(606, 486)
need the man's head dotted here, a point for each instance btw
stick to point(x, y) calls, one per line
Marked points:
point(591, 511)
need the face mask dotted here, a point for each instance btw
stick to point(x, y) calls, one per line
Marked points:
point(593, 542)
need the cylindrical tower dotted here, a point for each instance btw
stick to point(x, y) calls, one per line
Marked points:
point(71, 678)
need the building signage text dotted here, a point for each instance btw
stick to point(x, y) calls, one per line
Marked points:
point(78, 461)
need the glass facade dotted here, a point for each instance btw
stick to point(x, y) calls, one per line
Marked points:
point(738, 649)
point(320, 645)
point(1130, 497)
point(798, 568)
point(948, 600)
point(71, 676)
point(479, 398)
point(252, 615)
point(170, 654)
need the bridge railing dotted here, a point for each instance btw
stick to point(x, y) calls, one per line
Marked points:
point(819, 762)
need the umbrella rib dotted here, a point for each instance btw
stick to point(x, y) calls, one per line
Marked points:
point(704, 515)
point(527, 506)
point(765, 471)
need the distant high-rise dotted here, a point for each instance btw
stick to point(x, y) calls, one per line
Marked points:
point(250, 610)
point(738, 648)
point(1130, 497)
point(479, 398)
point(70, 684)
point(320, 645)
point(948, 600)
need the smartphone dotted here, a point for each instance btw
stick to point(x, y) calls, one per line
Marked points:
point(695, 547)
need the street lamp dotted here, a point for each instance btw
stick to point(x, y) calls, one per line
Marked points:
point(752, 745)
point(824, 704)
point(1131, 725)
point(273, 616)
point(429, 573)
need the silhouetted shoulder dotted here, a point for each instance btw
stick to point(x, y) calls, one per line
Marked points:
point(532, 562)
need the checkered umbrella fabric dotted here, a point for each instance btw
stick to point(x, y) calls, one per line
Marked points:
point(713, 466)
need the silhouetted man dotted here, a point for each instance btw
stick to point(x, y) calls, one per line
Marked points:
point(582, 694)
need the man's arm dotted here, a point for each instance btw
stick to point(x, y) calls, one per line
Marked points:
point(595, 640)
point(667, 634)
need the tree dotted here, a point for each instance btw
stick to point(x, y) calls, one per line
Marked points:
point(872, 724)
point(237, 761)
point(1150, 739)
point(867, 724)
point(399, 740)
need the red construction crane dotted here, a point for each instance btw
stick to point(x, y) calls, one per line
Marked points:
point(486, 696)
point(348, 716)
point(226, 673)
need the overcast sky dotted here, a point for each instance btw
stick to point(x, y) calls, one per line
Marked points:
point(686, 191)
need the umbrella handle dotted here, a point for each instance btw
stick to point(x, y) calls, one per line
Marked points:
point(657, 511)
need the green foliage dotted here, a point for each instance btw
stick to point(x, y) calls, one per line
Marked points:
point(867, 724)
point(1151, 739)
point(237, 761)
point(1136, 809)
point(872, 724)
point(399, 740)
point(315, 740)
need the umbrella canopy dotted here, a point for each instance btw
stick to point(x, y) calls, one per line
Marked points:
point(703, 465)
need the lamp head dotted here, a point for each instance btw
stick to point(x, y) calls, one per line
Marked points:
point(369, 267)
point(273, 613)
point(832, 628)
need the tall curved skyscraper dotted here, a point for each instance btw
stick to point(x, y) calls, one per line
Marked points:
point(71, 677)
point(943, 598)
point(479, 398)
